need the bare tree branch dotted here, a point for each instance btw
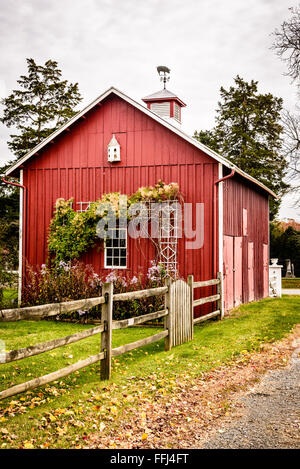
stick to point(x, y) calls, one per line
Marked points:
point(287, 43)
point(291, 149)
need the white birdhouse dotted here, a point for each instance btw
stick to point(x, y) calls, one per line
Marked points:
point(113, 150)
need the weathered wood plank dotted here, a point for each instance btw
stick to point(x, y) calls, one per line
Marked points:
point(14, 355)
point(180, 302)
point(30, 312)
point(169, 318)
point(138, 320)
point(106, 336)
point(206, 317)
point(206, 283)
point(135, 295)
point(139, 343)
point(220, 292)
point(34, 383)
point(86, 303)
point(53, 309)
point(205, 300)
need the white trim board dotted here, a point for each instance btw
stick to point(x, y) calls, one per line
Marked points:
point(21, 234)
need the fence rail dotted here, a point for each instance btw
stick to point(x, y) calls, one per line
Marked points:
point(208, 299)
point(178, 326)
point(26, 352)
point(52, 309)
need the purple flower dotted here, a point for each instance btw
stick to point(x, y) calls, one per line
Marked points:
point(123, 282)
point(64, 265)
point(81, 312)
point(112, 277)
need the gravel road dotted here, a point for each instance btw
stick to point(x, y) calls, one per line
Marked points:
point(271, 415)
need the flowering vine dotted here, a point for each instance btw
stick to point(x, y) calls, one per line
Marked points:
point(72, 233)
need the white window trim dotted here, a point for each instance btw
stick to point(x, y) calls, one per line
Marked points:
point(111, 247)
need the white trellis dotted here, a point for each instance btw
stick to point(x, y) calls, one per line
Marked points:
point(83, 206)
point(164, 222)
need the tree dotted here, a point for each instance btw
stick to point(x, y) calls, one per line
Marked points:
point(291, 147)
point(287, 46)
point(9, 223)
point(285, 244)
point(43, 104)
point(248, 133)
point(287, 43)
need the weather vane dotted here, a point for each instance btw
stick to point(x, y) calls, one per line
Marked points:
point(164, 73)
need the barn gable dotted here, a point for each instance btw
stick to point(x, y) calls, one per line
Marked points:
point(143, 141)
point(98, 102)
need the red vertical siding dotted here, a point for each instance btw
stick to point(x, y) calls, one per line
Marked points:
point(246, 215)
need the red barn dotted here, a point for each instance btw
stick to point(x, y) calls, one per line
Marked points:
point(149, 146)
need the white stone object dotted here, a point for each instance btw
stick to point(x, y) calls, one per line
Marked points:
point(275, 279)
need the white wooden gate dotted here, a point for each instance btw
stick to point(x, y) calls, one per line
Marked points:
point(180, 310)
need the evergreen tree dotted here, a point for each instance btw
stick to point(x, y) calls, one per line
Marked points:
point(285, 244)
point(42, 104)
point(248, 133)
point(9, 223)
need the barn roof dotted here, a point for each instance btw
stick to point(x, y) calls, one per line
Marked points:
point(151, 114)
point(162, 95)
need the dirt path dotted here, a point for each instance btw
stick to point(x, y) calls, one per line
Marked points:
point(221, 408)
point(272, 413)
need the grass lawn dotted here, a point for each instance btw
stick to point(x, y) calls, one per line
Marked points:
point(291, 283)
point(62, 413)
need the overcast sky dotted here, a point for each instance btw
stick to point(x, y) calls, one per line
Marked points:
point(103, 43)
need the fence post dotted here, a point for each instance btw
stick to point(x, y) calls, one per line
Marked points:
point(169, 320)
point(220, 292)
point(106, 319)
point(190, 281)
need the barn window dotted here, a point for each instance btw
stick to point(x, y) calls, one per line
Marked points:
point(115, 252)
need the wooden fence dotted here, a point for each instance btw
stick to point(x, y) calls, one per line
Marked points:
point(209, 299)
point(178, 326)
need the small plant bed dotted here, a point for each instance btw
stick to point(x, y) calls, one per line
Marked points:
point(9, 299)
point(66, 413)
point(291, 283)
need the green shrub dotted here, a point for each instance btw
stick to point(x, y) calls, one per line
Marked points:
point(7, 279)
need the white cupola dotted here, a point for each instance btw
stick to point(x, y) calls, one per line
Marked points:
point(165, 103)
point(113, 150)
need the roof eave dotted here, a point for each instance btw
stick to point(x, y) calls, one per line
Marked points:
point(151, 100)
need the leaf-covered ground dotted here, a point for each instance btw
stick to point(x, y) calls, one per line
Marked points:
point(156, 399)
point(198, 406)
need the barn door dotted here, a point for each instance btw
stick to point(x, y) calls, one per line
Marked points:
point(266, 269)
point(238, 271)
point(182, 312)
point(228, 272)
point(251, 271)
